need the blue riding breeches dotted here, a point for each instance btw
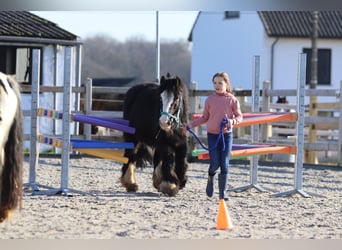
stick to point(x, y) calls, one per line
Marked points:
point(219, 152)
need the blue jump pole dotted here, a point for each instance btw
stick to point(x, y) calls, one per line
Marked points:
point(77, 143)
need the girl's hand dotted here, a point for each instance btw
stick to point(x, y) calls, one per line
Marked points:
point(228, 124)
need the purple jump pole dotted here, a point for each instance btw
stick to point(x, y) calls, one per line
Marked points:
point(76, 143)
point(108, 119)
point(103, 123)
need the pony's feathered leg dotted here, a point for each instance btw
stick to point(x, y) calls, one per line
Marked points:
point(128, 179)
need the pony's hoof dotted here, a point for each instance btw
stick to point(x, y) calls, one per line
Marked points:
point(132, 188)
point(182, 183)
point(169, 189)
point(5, 215)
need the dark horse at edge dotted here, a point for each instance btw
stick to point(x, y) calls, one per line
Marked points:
point(11, 147)
point(157, 112)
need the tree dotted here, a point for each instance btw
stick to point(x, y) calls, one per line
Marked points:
point(105, 57)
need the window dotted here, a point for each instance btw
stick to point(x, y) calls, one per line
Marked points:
point(231, 14)
point(7, 59)
point(23, 68)
point(17, 61)
point(323, 66)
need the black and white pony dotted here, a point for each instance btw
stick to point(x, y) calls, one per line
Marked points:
point(11, 147)
point(157, 112)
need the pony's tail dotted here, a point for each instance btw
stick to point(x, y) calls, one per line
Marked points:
point(144, 156)
point(11, 178)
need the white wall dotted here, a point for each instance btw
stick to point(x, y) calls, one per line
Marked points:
point(49, 72)
point(286, 63)
point(229, 45)
point(224, 45)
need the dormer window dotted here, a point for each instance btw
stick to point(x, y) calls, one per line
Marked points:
point(231, 14)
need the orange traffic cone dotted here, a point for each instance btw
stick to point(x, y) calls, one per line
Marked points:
point(223, 218)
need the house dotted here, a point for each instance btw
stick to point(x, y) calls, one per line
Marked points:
point(20, 33)
point(228, 41)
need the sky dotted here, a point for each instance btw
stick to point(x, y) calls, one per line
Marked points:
point(123, 25)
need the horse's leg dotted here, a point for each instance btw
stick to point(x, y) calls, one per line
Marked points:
point(164, 178)
point(127, 178)
point(181, 164)
point(157, 173)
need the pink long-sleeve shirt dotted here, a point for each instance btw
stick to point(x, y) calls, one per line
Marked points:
point(216, 108)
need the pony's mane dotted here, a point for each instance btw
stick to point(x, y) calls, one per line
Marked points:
point(15, 86)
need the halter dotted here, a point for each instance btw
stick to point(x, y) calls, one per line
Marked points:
point(175, 117)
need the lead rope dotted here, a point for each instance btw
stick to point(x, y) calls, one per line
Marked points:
point(221, 135)
point(196, 137)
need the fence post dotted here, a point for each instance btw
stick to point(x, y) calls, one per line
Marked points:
point(194, 103)
point(88, 106)
point(266, 129)
point(240, 132)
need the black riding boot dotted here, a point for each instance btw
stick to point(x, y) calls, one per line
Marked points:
point(222, 183)
point(210, 186)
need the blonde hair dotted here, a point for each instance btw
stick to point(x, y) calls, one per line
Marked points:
point(225, 77)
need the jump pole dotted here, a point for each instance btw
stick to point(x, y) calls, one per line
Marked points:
point(111, 152)
point(107, 122)
point(262, 118)
point(105, 153)
point(298, 170)
point(244, 152)
point(104, 123)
